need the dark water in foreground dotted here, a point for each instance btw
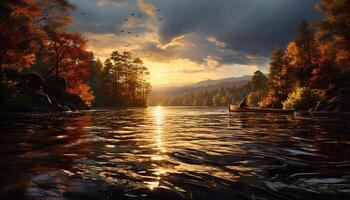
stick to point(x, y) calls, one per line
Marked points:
point(174, 153)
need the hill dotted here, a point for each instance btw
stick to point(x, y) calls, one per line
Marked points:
point(163, 95)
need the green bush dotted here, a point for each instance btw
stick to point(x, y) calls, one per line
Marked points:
point(302, 99)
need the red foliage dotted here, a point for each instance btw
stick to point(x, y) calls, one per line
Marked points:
point(20, 35)
point(70, 58)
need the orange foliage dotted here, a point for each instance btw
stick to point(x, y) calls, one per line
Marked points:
point(19, 33)
point(83, 91)
point(343, 58)
point(325, 71)
point(270, 100)
point(293, 55)
point(68, 52)
point(67, 49)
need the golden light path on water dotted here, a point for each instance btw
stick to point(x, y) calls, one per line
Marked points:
point(175, 153)
point(158, 115)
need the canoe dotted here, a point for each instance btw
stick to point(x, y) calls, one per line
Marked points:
point(234, 108)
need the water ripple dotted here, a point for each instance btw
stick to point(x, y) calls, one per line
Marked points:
point(174, 153)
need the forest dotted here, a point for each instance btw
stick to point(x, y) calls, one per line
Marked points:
point(312, 72)
point(44, 67)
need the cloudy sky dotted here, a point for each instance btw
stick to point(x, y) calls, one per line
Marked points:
point(184, 41)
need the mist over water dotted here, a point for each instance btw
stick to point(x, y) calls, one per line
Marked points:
point(174, 153)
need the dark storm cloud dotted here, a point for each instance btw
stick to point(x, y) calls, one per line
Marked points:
point(102, 16)
point(251, 26)
point(250, 29)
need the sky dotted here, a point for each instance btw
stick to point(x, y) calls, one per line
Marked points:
point(186, 41)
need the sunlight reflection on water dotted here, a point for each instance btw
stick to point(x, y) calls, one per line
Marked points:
point(174, 153)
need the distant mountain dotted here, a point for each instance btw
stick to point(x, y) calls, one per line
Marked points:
point(173, 91)
point(216, 82)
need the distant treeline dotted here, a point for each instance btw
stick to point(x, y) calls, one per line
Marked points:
point(313, 69)
point(220, 96)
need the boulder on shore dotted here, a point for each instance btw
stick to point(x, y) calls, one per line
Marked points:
point(31, 93)
point(35, 81)
point(335, 100)
point(56, 87)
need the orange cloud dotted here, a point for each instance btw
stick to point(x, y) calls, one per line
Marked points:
point(212, 61)
point(217, 42)
point(147, 8)
point(180, 41)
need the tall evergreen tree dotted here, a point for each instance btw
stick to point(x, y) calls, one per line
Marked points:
point(305, 40)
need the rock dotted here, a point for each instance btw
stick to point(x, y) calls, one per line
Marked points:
point(57, 89)
point(35, 81)
point(27, 95)
point(32, 102)
point(56, 84)
point(335, 100)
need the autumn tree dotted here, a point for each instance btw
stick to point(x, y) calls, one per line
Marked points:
point(259, 88)
point(278, 82)
point(335, 27)
point(23, 25)
point(65, 56)
point(305, 41)
point(66, 52)
point(20, 36)
point(301, 55)
point(333, 33)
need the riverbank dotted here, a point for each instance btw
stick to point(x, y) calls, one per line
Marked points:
point(29, 92)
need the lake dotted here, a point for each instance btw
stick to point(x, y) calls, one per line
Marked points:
point(174, 153)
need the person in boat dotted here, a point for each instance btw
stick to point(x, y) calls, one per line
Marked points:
point(243, 103)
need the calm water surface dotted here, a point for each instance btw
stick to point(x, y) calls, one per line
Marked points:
point(174, 153)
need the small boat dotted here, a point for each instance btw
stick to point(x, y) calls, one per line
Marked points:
point(234, 108)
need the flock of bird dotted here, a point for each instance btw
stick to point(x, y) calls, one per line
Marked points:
point(137, 35)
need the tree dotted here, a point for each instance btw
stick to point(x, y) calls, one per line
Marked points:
point(335, 27)
point(259, 81)
point(20, 36)
point(333, 33)
point(259, 88)
point(124, 80)
point(66, 52)
point(277, 79)
point(66, 56)
point(305, 41)
point(301, 55)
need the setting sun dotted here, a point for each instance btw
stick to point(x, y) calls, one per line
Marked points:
point(159, 75)
point(175, 99)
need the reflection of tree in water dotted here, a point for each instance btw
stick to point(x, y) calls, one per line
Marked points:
point(37, 156)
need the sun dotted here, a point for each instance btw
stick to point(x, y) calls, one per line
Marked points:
point(159, 75)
